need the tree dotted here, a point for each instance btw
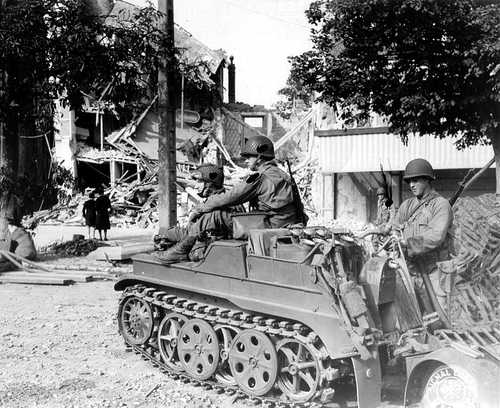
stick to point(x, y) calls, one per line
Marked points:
point(60, 50)
point(294, 93)
point(429, 66)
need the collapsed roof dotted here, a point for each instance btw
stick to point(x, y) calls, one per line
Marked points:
point(191, 49)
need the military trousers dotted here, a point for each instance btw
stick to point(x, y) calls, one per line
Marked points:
point(435, 279)
point(217, 222)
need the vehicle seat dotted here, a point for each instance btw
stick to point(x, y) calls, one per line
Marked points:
point(259, 240)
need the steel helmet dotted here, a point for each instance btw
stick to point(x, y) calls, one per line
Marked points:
point(258, 146)
point(209, 173)
point(419, 168)
point(381, 191)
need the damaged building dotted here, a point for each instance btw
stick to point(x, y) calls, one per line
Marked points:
point(210, 125)
point(98, 150)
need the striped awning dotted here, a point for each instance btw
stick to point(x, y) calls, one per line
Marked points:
point(342, 152)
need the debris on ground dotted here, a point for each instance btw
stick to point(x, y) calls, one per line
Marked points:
point(30, 272)
point(134, 202)
point(43, 332)
point(79, 247)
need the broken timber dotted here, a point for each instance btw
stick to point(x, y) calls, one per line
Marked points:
point(29, 279)
point(34, 273)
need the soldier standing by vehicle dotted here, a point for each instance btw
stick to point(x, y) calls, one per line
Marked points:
point(269, 189)
point(383, 211)
point(383, 215)
point(424, 221)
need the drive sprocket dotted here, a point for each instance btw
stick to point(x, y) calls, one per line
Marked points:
point(299, 369)
point(135, 320)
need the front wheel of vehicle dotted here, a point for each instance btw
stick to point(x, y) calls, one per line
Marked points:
point(449, 387)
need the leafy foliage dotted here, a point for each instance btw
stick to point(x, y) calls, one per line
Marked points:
point(53, 49)
point(296, 97)
point(429, 66)
point(26, 192)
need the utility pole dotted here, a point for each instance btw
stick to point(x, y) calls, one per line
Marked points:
point(167, 174)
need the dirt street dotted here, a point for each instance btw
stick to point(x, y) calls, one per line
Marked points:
point(60, 348)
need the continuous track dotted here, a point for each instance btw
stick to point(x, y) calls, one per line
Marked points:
point(318, 371)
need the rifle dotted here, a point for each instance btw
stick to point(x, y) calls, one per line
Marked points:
point(299, 206)
point(387, 188)
point(469, 178)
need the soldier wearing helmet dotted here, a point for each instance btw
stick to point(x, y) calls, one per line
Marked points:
point(424, 221)
point(383, 211)
point(268, 189)
point(210, 181)
point(210, 178)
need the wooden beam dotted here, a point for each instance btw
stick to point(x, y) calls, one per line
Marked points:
point(375, 180)
point(355, 131)
point(362, 183)
point(29, 279)
point(43, 275)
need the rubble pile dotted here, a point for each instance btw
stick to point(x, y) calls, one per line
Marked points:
point(134, 202)
point(80, 247)
point(303, 178)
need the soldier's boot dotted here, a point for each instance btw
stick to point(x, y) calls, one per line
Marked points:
point(179, 252)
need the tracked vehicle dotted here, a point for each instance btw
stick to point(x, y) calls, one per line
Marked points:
point(294, 317)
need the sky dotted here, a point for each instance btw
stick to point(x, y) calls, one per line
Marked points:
point(260, 34)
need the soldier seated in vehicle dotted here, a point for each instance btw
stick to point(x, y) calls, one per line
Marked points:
point(424, 222)
point(210, 181)
point(269, 189)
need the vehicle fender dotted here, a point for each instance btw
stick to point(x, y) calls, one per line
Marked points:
point(483, 375)
point(368, 377)
point(130, 280)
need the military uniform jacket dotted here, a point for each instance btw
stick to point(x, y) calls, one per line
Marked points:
point(269, 190)
point(233, 209)
point(383, 214)
point(425, 224)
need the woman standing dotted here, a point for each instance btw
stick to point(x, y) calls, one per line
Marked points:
point(102, 210)
point(89, 213)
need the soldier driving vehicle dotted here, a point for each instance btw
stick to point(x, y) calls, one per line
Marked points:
point(268, 190)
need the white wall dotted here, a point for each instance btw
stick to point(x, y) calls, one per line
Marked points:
point(351, 201)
